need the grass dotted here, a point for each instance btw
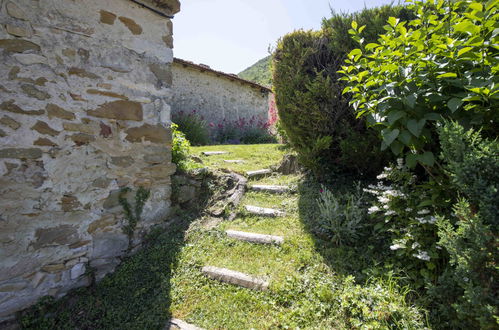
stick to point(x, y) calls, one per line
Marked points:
point(312, 283)
point(255, 156)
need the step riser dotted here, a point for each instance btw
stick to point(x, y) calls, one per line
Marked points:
point(255, 238)
point(235, 278)
point(263, 212)
point(259, 173)
point(176, 324)
point(214, 153)
point(270, 189)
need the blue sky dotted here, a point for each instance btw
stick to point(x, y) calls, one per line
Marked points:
point(230, 35)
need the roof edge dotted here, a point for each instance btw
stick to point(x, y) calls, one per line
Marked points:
point(163, 7)
point(232, 77)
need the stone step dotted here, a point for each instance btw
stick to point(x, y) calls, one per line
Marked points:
point(176, 324)
point(235, 278)
point(214, 153)
point(234, 161)
point(264, 212)
point(270, 189)
point(258, 173)
point(255, 238)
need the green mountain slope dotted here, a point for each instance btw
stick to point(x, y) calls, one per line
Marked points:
point(259, 72)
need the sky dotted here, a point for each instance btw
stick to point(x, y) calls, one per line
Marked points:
point(231, 35)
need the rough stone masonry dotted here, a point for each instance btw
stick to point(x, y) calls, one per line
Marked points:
point(84, 112)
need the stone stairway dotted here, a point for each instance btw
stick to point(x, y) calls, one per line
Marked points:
point(235, 277)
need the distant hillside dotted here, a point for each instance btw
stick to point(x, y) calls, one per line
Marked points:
point(259, 72)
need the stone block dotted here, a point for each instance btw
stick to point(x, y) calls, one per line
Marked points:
point(106, 93)
point(9, 122)
point(235, 278)
point(82, 73)
point(54, 236)
point(123, 161)
point(263, 212)
point(121, 110)
point(107, 17)
point(18, 31)
point(30, 59)
point(109, 245)
point(151, 133)
point(70, 203)
point(162, 72)
point(34, 92)
point(135, 28)
point(12, 107)
point(270, 189)
point(82, 138)
point(44, 142)
point(14, 11)
point(176, 324)
point(77, 271)
point(101, 224)
point(21, 153)
point(56, 111)
point(43, 128)
point(255, 238)
point(258, 173)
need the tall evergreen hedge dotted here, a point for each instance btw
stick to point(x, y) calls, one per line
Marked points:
point(318, 120)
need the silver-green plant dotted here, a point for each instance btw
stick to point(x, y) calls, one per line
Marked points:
point(342, 218)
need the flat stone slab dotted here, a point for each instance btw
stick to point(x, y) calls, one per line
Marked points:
point(264, 212)
point(214, 153)
point(234, 161)
point(258, 173)
point(235, 278)
point(176, 324)
point(254, 238)
point(270, 189)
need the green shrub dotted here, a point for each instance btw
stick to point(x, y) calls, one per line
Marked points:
point(472, 164)
point(467, 293)
point(318, 120)
point(471, 281)
point(180, 147)
point(441, 65)
point(449, 252)
point(193, 126)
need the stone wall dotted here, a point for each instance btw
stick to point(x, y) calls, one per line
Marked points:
point(84, 113)
point(217, 96)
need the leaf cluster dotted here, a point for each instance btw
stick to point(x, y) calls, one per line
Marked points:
point(441, 65)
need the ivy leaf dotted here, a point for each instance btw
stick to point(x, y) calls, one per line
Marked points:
point(427, 158)
point(405, 137)
point(454, 104)
point(411, 160)
point(447, 75)
point(393, 21)
point(464, 50)
point(389, 136)
point(393, 116)
point(371, 45)
point(396, 147)
point(416, 127)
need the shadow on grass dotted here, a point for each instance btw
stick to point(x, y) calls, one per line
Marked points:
point(135, 296)
point(363, 259)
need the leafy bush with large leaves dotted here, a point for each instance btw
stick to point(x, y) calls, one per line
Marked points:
point(318, 120)
point(442, 65)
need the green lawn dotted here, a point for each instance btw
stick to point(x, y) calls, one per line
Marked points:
point(312, 283)
point(255, 157)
